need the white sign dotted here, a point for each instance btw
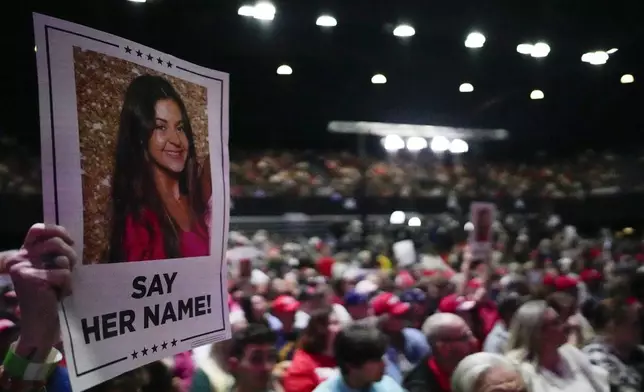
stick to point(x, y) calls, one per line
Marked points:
point(404, 252)
point(135, 166)
point(482, 217)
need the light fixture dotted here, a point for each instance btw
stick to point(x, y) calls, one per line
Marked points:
point(458, 146)
point(35, 49)
point(397, 218)
point(525, 48)
point(466, 88)
point(611, 51)
point(326, 21)
point(415, 144)
point(284, 70)
point(262, 11)
point(379, 79)
point(439, 144)
point(404, 30)
point(137, 1)
point(475, 40)
point(595, 58)
point(626, 79)
point(536, 94)
point(414, 222)
point(540, 50)
point(246, 10)
point(393, 143)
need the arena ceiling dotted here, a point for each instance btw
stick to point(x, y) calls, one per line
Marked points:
point(333, 67)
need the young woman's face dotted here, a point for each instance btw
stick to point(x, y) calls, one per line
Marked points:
point(168, 144)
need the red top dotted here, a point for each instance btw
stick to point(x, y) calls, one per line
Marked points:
point(143, 240)
point(307, 371)
point(325, 266)
point(442, 378)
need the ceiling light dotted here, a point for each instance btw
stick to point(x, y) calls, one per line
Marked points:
point(378, 79)
point(458, 146)
point(284, 70)
point(264, 11)
point(536, 94)
point(326, 21)
point(540, 50)
point(439, 144)
point(466, 88)
point(137, 1)
point(611, 51)
point(626, 79)
point(525, 48)
point(416, 143)
point(246, 10)
point(595, 58)
point(35, 49)
point(393, 143)
point(414, 222)
point(475, 40)
point(404, 30)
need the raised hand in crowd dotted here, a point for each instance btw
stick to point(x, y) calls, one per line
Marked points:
point(40, 272)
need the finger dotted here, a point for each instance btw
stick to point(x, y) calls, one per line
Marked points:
point(41, 231)
point(59, 280)
point(11, 258)
point(43, 253)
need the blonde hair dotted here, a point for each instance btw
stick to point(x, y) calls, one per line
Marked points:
point(525, 331)
point(470, 370)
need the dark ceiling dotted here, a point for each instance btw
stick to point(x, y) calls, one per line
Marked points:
point(333, 68)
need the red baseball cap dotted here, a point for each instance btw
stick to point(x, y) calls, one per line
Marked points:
point(388, 303)
point(589, 275)
point(286, 304)
point(565, 282)
point(6, 324)
point(454, 303)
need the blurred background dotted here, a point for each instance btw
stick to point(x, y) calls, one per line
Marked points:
point(535, 106)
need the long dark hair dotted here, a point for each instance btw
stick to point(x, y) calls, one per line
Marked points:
point(133, 188)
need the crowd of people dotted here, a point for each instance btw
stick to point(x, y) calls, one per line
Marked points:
point(312, 314)
point(401, 175)
point(430, 175)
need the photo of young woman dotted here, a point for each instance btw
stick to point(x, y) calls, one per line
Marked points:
point(159, 191)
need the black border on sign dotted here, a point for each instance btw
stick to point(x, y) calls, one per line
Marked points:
point(53, 152)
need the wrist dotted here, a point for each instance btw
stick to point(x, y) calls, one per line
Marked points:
point(34, 350)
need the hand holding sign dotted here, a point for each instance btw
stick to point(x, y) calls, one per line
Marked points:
point(40, 272)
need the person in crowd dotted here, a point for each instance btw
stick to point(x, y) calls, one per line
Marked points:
point(359, 351)
point(451, 340)
point(487, 372)
point(496, 341)
point(158, 211)
point(313, 360)
point(256, 311)
point(40, 272)
point(407, 346)
point(213, 374)
point(616, 347)
point(537, 343)
point(565, 306)
point(417, 299)
point(357, 304)
point(252, 358)
point(284, 309)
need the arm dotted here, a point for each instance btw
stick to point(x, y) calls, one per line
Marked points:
point(40, 272)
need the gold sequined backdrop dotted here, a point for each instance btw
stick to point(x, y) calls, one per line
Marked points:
point(101, 82)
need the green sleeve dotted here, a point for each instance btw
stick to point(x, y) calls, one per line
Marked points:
point(200, 382)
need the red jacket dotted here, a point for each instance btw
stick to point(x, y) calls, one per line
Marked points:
point(307, 371)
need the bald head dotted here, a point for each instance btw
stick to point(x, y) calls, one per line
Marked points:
point(439, 324)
